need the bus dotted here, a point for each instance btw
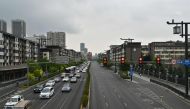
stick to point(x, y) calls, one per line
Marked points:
point(70, 69)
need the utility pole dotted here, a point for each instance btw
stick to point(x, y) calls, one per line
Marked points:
point(179, 30)
point(115, 59)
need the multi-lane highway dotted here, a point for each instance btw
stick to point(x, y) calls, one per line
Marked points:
point(59, 100)
point(109, 91)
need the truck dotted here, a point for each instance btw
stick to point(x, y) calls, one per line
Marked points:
point(17, 102)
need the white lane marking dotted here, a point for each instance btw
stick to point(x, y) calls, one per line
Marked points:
point(125, 104)
point(107, 105)
point(63, 104)
point(51, 98)
point(104, 96)
point(119, 96)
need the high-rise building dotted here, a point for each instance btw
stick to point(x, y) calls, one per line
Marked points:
point(82, 47)
point(19, 28)
point(3, 26)
point(56, 39)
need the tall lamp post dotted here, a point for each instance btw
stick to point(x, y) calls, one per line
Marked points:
point(115, 59)
point(179, 30)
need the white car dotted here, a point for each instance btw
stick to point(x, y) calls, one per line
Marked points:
point(78, 75)
point(63, 75)
point(50, 83)
point(47, 92)
point(65, 79)
point(73, 80)
point(66, 88)
point(13, 101)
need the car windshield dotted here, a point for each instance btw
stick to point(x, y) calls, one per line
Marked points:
point(45, 90)
point(66, 85)
point(14, 100)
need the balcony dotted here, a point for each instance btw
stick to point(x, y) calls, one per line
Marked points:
point(1, 60)
point(16, 54)
point(1, 53)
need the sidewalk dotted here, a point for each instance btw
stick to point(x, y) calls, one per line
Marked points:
point(177, 88)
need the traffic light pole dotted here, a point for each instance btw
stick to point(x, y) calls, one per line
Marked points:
point(186, 57)
point(115, 60)
point(186, 48)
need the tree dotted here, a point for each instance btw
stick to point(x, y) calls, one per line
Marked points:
point(31, 76)
point(38, 73)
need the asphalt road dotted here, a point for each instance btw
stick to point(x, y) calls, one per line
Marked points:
point(59, 100)
point(109, 91)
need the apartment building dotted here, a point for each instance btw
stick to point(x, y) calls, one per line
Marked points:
point(15, 50)
point(130, 50)
point(167, 50)
point(144, 50)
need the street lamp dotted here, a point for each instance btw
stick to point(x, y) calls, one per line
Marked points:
point(179, 30)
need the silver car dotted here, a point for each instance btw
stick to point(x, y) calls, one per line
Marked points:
point(66, 87)
point(73, 80)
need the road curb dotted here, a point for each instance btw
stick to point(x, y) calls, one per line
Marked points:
point(171, 88)
point(88, 106)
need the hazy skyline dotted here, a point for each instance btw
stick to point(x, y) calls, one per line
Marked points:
point(98, 23)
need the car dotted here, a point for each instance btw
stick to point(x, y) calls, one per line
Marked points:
point(47, 92)
point(66, 87)
point(78, 75)
point(17, 102)
point(62, 75)
point(71, 75)
point(15, 99)
point(65, 79)
point(83, 71)
point(73, 80)
point(57, 79)
point(50, 83)
point(77, 71)
point(38, 88)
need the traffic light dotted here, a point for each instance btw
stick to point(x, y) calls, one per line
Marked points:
point(158, 60)
point(105, 61)
point(122, 60)
point(140, 60)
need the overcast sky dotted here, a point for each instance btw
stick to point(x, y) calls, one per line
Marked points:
point(98, 23)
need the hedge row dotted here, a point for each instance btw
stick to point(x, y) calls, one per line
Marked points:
point(84, 100)
point(124, 75)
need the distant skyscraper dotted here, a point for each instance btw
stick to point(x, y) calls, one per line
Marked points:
point(82, 47)
point(85, 50)
point(56, 39)
point(3, 26)
point(19, 28)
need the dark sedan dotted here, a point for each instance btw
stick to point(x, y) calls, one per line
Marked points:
point(38, 88)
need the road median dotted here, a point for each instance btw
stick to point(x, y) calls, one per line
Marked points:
point(86, 92)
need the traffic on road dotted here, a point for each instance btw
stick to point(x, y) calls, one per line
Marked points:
point(46, 94)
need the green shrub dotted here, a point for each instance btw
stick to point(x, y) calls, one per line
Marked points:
point(84, 100)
